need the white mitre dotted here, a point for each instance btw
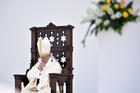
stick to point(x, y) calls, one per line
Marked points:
point(44, 46)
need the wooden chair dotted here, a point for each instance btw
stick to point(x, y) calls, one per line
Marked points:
point(62, 47)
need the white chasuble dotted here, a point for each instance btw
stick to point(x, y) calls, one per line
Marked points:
point(52, 66)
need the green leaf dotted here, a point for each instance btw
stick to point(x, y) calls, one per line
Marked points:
point(120, 30)
point(130, 4)
point(96, 32)
point(92, 31)
point(101, 3)
point(92, 22)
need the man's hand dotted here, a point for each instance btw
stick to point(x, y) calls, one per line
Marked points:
point(41, 65)
point(33, 89)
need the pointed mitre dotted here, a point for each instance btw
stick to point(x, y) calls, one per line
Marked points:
point(44, 46)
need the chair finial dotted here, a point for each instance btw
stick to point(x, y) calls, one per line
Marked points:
point(51, 25)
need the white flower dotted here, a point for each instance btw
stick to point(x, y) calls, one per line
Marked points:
point(109, 10)
point(138, 19)
point(99, 13)
point(118, 15)
point(88, 19)
point(95, 13)
point(113, 17)
point(98, 21)
point(135, 12)
point(94, 3)
point(90, 11)
point(106, 22)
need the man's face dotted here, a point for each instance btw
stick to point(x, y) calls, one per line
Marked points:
point(45, 58)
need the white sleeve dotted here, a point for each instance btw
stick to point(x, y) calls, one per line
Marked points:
point(38, 88)
point(33, 73)
point(44, 83)
point(56, 68)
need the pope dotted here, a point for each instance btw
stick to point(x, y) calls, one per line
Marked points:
point(38, 75)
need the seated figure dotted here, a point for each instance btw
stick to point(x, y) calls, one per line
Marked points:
point(38, 75)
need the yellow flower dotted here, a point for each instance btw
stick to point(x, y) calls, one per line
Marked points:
point(125, 14)
point(122, 1)
point(104, 7)
point(108, 1)
point(122, 6)
point(116, 6)
point(130, 10)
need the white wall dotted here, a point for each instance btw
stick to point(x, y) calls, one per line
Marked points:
point(93, 72)
point(17, 16)
point(119, 60)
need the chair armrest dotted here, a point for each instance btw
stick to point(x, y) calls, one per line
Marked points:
point(60, 78)
point(19, 77)
point(18, 80)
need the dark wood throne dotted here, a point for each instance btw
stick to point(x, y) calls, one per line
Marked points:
point(62, 47)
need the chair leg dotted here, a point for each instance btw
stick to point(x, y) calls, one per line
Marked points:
point(17, 86)
point(53, 85)
point(69, 86)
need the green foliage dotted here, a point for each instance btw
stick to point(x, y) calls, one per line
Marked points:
point(130, 4)
point(101, 3)
point(122, 16)
point(116, 24)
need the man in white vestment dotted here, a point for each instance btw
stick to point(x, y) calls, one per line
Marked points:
point(38, 75)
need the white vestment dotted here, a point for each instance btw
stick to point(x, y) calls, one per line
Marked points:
point(52, 66)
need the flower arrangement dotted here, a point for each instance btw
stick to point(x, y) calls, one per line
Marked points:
point(110, 14)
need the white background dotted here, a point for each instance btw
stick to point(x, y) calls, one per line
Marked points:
point(97, 69)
